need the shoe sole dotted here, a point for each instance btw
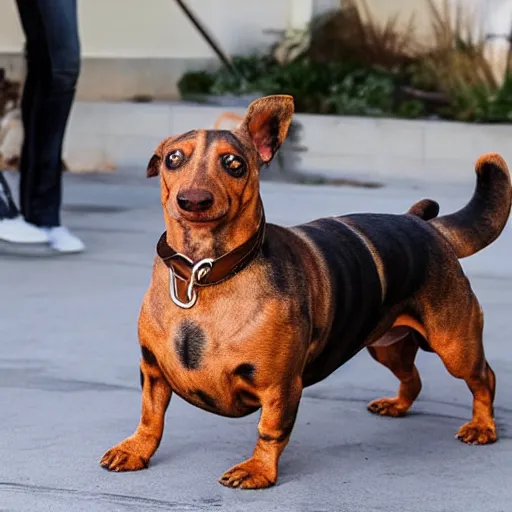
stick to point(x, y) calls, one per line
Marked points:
point(58, 251)
point(31, 250)
point(25, 249)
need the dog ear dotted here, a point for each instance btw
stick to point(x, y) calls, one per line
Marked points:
point(267, 122)
point(153, 168)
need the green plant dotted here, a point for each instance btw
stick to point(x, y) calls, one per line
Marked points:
point(361, 93)
point(455, 60)
point(500, 104)
point(353, 33)
point(252, 68)
point(476, 104)
point(348, 63)
point(195, 82)
point(411, 109)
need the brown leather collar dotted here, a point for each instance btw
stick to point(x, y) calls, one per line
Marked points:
point(222, 268)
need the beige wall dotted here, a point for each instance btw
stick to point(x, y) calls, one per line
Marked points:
point(158, 29)
point(140, 48)
point(496, 15)
point(11, 37)
point(493, 16)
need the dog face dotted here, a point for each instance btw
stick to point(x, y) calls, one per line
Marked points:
point(209, 176)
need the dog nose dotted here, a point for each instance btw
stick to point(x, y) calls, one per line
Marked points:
point(195, 200)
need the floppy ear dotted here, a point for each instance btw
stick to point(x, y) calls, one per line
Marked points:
point(267, 122)
point(153, 168)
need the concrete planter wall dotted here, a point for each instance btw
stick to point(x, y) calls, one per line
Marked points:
point(399, 148)
point(112, 135)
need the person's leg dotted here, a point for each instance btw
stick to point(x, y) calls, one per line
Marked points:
point(13, 228)
point(53, 66)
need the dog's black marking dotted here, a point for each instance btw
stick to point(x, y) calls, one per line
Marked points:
point(356, 294)
point(148, 356)
point(189, 343)
point(283, 262)
point(316, 333)
point(305, 314)
point(190, 243)
point(246, 371)
point(289, 422)
point(207, 400)
point(141, 379)
point(151, 384)
point(187, 239)
point(192, 134)
point(246, 398)
point(403, 243)
point(225, 136)
point(279, 439)
point(219, 247)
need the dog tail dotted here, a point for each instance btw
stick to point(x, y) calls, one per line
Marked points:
point(482, 220)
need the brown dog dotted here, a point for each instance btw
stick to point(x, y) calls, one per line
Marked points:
point(242, 315)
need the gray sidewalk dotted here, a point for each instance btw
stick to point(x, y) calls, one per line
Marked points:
point(69, 382)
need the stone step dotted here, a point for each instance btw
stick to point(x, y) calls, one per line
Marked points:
point(109, 135)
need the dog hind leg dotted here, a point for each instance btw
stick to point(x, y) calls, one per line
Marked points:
point(460, 348)
point(398, 357)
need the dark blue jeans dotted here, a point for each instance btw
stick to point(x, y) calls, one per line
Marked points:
point(53, 67)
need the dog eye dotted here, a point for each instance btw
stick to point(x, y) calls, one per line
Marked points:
point(234, 165)
point(174, 159)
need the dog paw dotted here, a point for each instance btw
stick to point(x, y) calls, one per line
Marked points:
point(251, 474)
point(117, 459)
point(477, 433)
point(388, 407)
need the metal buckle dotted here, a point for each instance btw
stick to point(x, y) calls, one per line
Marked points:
point(199, 271)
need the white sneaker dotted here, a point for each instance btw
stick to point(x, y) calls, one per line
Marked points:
point(61, 240)
point(19, 231)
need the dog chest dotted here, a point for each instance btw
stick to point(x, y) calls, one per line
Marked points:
point(219, 357)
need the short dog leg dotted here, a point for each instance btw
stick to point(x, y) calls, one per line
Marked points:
point(481, 382)
point(481, 429)
point(399, 358)
point(279, 410)
point(134, 452)
point(462, 353)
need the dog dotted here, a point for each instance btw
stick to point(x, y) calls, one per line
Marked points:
point(242, 315)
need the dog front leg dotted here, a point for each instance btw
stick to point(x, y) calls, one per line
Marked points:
point(134, 452)
point(279, 410)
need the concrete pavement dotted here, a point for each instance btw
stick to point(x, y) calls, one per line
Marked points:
point(69, 382)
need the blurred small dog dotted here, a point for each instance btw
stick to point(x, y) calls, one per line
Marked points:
point(242, 315)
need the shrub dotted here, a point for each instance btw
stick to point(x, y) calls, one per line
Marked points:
point(349, 64)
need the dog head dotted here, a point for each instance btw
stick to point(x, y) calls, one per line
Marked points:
point(210, 178)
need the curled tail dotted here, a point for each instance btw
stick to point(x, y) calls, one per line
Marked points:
point(482, 220)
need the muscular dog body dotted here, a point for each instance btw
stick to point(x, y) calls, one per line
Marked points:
point(309, 299)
